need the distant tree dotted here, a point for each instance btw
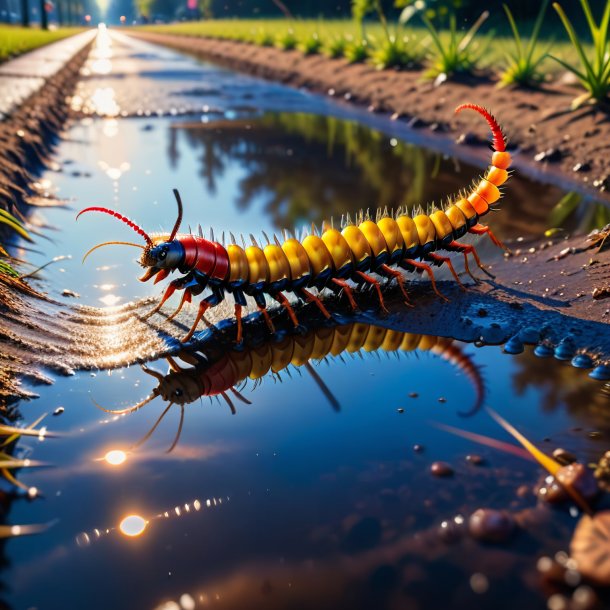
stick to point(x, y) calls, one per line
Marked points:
point(25, 13)
point(205, 9)
point(44, 17)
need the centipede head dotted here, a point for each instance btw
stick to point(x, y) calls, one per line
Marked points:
point(155, 256)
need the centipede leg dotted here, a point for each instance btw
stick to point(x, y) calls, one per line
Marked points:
point(467, 249)
point(428, 270)
point(285, 303)
point(347, 289)
point(203, 307)
point(400, 280)
point(480, 229)
point(186, 298)
point(238, 308)
point(445, 259)
point(166, 295)
point(312, 298)
point(259, 298)
point(371, 280)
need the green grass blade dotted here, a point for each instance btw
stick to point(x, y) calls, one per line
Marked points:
point(513, 27)
point(575, 42)
point(536, 31)
point(572, 69)
point(476, 26)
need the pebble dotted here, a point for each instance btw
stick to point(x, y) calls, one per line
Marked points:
point(489, 525)
point(564, 457)
point(413, 394)
point(418, 448)
point(577, 476)
point(400, 410)
point(58, 411)
point(582, 167)
point(442, 399)
point(474, 459)
point(441, 469)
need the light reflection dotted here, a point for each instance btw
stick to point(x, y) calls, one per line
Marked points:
point(116, 457)
point(110, 300)
point(133, 525)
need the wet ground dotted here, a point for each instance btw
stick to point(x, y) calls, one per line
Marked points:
point(318, 493)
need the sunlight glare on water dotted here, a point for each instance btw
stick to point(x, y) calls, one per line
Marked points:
point(133, 525)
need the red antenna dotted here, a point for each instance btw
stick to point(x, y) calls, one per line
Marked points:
point(122, 218)
point(499, 141)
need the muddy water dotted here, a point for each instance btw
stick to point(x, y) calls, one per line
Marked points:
point(313, 494)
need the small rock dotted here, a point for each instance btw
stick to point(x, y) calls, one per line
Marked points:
point(575, 475)
point(467, 139)
point(441, 469)
point(413, 394)
point(582, 167)
point(489, 525)
point(58, 411)
point(418, 448)
point(564, 457)
point(442, 399)
point(474, 459)
point(400, 410)
point(66, 292)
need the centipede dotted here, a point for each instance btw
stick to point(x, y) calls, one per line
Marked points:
point(224, 373)
point(359, 254)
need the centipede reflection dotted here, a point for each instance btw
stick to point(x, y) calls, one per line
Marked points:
point(225, 374)
point(371, 248)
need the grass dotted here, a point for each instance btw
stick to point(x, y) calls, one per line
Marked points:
point(524, 62)
point(593, 67)
point(247, 30)
point(16, 40)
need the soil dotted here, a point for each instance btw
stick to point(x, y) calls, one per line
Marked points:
point(569, 147)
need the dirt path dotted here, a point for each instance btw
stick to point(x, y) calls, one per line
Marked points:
point(570, 148)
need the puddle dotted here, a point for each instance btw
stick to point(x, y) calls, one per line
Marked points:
point(313, 495)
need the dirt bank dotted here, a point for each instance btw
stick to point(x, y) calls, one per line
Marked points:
point(564, 146)
point(28, 134)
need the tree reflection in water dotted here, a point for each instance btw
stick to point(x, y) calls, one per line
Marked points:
point(306, 168)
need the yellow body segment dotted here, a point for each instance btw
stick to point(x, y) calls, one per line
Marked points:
point(442, 224)
point(338, 248)
point(302, 351)
point(297, 258)
point(257, 263)
point(261, 361)
point(323, 341)
point(497, 176)
point(456, 217)
point(340, 339)
point(277, 262)
point(392, 340)
point(466, 208)
point(238, 264)
point(488, 191)
point(478, 203)
point(281, 354)
point(374, 236)
point(319, 256)
point(357, 242)
point(374, 339)
point(357, 337)
point(425, 229)
point(408, 230)
point(391, 234)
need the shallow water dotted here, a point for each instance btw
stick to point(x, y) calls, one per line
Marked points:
point(311, 496)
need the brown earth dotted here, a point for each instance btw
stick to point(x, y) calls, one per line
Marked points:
point(538, 122)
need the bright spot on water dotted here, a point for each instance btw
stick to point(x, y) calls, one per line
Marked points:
point(115, 457)
point(132, 525)
point(110, 300)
